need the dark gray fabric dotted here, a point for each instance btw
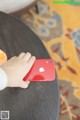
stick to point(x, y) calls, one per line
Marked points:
point(41, 100)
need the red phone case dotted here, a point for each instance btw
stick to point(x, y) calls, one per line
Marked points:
point(42, 70)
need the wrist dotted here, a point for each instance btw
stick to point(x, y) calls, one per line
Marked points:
point(3, 79)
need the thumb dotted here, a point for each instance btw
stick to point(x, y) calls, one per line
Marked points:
point(24, 84)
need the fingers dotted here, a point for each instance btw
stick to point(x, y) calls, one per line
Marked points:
point(30, 63)
point(27, 61)
point(26, 57)
point(13, 58)
point(21, 55)
point(31, 60)
point(24, 84)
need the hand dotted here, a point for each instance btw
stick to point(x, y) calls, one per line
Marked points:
point(16, 68)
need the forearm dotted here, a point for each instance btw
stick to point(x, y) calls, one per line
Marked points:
point(3, 79)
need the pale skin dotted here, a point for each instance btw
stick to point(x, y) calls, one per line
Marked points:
point(17, 67)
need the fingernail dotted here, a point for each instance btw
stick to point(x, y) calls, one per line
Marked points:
point(28, 82)
point(29, 53)
point(34, 57)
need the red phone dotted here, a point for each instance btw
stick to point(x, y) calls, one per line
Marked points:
point(42, 70)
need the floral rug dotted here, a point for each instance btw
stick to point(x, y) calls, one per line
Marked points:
point(58, 27)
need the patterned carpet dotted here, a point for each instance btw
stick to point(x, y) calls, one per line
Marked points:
point(58, 27)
